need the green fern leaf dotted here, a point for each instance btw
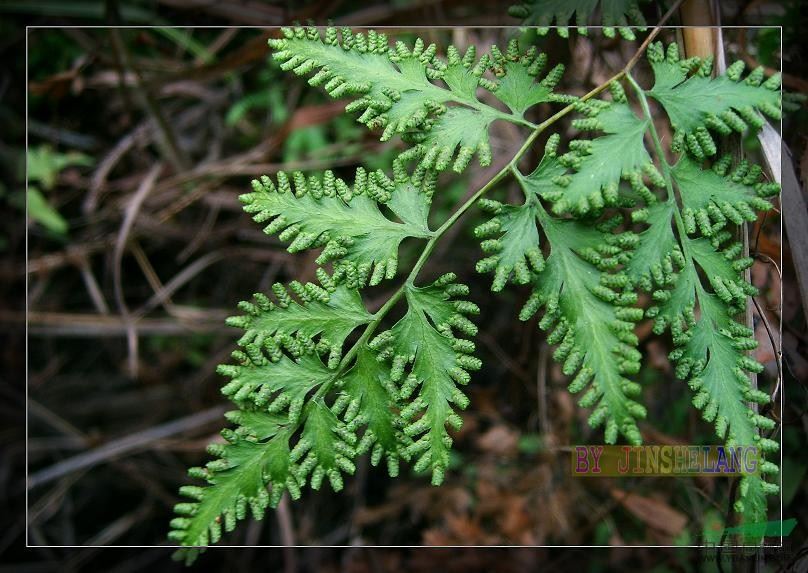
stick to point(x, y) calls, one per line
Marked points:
point(257, 455)
point(655, 242)
point(368, 397)
point(516, 78)
point(698, 104)
point(398, 93)
point(455, 136)
point(346, 221)
point(711, 354)
point(429, 362)
point(590, 316)
point(270, 378)
point(237, 480)
point(316, 385)
point(542, 13)
point(597, 166)
point(329, 445)
point(331, 313)
point(514, 250)
point(712, 200)
point(698, 288)
point(516, 253)
point(586, 309)
point(287, 433)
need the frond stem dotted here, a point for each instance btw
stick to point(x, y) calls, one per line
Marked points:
point(666, 168)
point(673, 197)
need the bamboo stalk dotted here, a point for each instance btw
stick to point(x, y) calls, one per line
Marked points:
point(699, 39)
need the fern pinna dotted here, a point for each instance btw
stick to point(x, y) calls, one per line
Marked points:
point(318, 380)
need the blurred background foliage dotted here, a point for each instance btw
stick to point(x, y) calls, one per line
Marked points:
point(139, 142)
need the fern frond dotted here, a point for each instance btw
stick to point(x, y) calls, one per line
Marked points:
point(276, 374)
point(590, 314)
point(510, 238)
point(655, 243)
point(697, 285)
point(515, 254)
point(345, 220)
point(597, 166)
point(285, 432)
point(328, 444)
point(429, 362)
point(711, 353)
point(698, 104)
point(330, 311)
point(586, 308)
point(712, 199)
point(398, 93)
point(368, 397)
point(289, 430)
point(258, 455)
point(517, 83)
point(315, 382)
point(254, 455)
point(615, 13)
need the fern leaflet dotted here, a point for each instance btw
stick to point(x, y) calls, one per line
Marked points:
point(345, 220)
point(399, 93)
point(615, 13)
point(586, 309)
point(698, 104)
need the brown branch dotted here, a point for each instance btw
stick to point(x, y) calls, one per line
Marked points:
point(96, 325)
point(126, 445)
point(132, 209)
point(172, 150)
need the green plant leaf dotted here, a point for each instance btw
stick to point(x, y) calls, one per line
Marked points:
point(597, 166)
point(285, 431)
point(698, 104)
point(656, 242)
point(542, 13)
point(278, 382)
point(396, 89)
point(41, 211)
point(514, 249)
point(316, 384)
point(712, 199)
point(711, 354)
point(430, 363)
point(368, 397)
point(44, 164)
point(698, 289)
point(329, 446)
point(586, 308)
point(236, 480)
point(331, 311)
point(346, 221)
point(590, 315)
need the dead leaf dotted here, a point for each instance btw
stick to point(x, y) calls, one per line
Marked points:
point(499, 440)
point(653, 512)
point(765, 351)
point(515, 521)
point(652, 435)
